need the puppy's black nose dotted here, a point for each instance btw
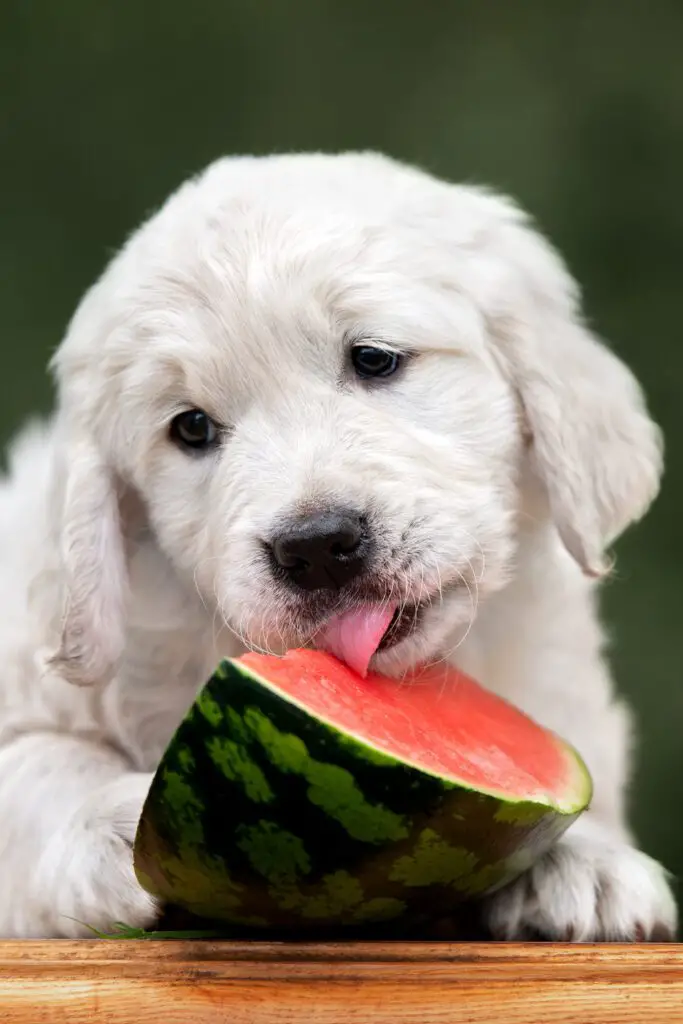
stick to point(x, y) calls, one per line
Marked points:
point(324, 551)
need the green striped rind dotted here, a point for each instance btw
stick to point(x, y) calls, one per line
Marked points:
point(263, 815)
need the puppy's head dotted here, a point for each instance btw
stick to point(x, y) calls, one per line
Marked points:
point(324, 379)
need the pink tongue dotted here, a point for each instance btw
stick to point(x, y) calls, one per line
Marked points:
point(354, 636)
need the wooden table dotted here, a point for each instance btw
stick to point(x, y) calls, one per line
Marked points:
point(137, 982)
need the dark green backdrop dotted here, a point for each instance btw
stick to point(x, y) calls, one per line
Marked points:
point(575, 107)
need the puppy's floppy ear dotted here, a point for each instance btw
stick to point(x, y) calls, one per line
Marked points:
point(93, 566)
point(593, 444)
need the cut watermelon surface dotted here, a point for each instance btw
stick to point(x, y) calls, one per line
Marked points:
point(438, 720)
point(298, 795)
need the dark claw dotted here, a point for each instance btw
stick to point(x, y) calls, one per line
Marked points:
point(660, 933)
point(532, 935)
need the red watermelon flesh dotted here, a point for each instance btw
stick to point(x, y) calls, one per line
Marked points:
point(437, 719)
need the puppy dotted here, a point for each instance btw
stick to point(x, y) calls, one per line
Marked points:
point(321, 400)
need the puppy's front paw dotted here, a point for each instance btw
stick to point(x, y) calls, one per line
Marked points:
point(88, 867)
point(587, 889)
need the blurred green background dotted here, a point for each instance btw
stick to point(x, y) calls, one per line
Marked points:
point(574, 107)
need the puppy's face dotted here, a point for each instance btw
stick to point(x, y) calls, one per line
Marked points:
point(304, 389)
point(316, 473)
point(324, 443)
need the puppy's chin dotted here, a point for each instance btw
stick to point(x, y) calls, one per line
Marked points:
point(441, 629)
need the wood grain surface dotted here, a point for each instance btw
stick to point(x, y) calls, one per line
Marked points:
point(368, 983)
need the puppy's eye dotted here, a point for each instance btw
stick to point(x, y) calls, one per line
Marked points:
point(194, 429)
point(371, 361)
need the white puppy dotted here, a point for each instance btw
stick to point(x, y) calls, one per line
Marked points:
point(314, 394)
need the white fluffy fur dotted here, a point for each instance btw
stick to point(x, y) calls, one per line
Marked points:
point(505, 458)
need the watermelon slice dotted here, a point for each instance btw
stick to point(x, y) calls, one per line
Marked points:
point(297, 794)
